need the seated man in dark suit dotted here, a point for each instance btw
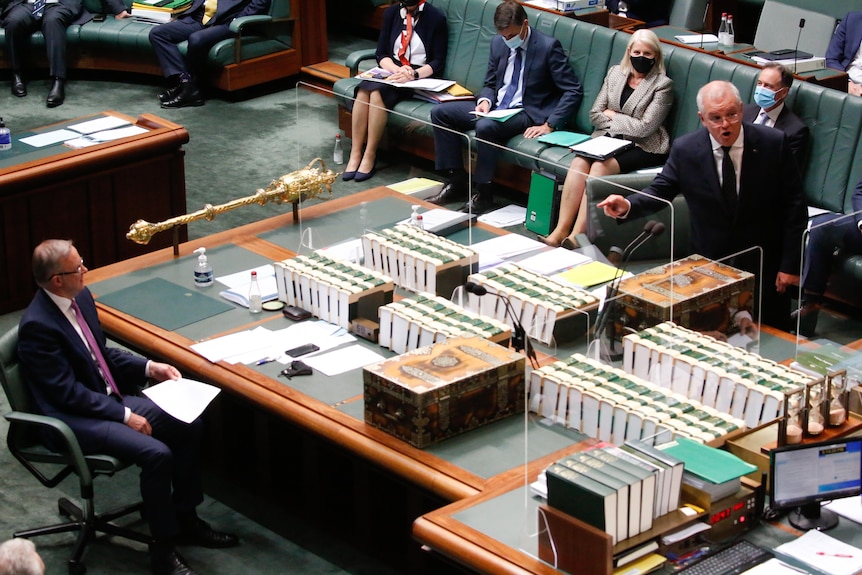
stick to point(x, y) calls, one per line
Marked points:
point(844, 51)
point(528, 71)
point(21, 18)
point(743, 190)
point(204, 24)
point(76, 378)
point(769, 109)
point(829, 232)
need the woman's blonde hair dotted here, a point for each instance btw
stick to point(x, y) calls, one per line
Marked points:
point(649, 38)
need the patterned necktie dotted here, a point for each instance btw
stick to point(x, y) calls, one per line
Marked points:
point(762, 118)
point(94, 347)
point(512, 89)
point(38, 9)
point(406, 36)
point(728, 180)
point(210, 7)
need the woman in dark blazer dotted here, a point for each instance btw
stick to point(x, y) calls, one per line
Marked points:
point(412, 45)
point(633, 104)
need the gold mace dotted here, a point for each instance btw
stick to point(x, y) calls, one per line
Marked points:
point(303, 184)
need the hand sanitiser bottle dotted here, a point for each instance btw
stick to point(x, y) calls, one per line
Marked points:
point(203, 269)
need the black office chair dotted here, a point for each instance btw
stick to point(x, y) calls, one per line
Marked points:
point(26, 430)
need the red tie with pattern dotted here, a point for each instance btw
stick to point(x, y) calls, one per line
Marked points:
point(94, 347)
point(406, 36)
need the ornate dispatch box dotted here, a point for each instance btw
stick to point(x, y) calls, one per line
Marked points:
point(442, 390)
point(703, 294)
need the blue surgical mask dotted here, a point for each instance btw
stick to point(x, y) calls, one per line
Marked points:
point(764, 97)
point(515, 41)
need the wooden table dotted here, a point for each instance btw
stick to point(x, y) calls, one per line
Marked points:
point(277, 438)
point(91, 195)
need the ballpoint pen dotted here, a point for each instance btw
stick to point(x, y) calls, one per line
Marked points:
point(827, 554)
point(265, 360)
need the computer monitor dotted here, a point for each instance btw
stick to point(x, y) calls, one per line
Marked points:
point(803, 476)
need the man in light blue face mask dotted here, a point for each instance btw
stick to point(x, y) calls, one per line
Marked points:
point(769, 109)
point(529, 73)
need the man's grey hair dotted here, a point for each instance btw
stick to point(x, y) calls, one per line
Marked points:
point(715, 90)
point(19, 557)
point(46, 259)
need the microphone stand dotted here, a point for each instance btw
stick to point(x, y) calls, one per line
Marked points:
point(520, 339)
point(796, 48)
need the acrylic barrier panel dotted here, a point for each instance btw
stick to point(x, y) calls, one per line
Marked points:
point(823, 315)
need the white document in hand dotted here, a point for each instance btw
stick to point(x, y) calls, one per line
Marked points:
point(184, 399)
point(499, 115)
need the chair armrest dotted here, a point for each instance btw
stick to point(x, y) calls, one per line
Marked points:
point(71, 448)
point(355, 58)
point(237, 24)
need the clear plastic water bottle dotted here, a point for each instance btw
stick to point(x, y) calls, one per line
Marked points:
point(338, 152)
point(420, 223)
point(722, 30)
point(414, 216)
point(255, 305)
point(5, 136)
point(730, 36)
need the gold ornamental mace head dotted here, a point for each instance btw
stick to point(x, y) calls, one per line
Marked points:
point(303, 184)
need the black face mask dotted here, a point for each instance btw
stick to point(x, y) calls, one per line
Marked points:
point(642, 64)
point(408, 3)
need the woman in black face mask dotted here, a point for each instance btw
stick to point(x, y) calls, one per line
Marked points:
point(633, 104)
point(413, 42)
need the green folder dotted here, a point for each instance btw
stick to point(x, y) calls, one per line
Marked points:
point(562, 138)
point(710, 463)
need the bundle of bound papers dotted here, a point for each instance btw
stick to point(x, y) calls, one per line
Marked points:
point(425, 319)
point(540, 302)
point(714, 373)
point(417, 260)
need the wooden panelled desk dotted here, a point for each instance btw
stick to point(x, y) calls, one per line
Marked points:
point(278, 438)
point(835, 79)
point(91, 195)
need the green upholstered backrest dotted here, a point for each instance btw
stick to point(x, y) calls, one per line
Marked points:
point(10, 372)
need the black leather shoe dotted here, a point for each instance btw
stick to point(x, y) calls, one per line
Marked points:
point(171, 92)
point(451, 192)
point(170, 563)
point(189, 96)
point(202, 535)
point(18, 87)
point(478, 204)
point(57, 94)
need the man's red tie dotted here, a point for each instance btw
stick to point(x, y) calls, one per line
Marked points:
point(94, 347)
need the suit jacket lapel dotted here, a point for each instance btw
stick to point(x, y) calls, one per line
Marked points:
point(645, 87)
point(748, 178)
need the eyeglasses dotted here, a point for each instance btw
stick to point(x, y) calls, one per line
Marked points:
point(719, 120)
point(78, 270)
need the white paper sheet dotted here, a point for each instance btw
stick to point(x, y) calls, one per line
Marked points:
point(824, 553)
point(99, 124)
point(343, 360)
point(849, 507)
point(505, 217)
point(48, 138)
point(696, 38)
point(552, 261)
point(507, 246)
point(234, 344)
point(774, 567)
point(239, 279)
point(184, 399)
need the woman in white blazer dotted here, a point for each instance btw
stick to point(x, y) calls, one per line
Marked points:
point(633, 104)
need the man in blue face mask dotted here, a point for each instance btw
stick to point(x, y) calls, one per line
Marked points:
point(769, 109)
point(528, 72)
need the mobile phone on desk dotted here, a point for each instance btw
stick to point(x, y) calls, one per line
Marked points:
point(295, 313)
point(302, 350)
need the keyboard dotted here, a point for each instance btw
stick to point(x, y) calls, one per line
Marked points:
point(738, 557)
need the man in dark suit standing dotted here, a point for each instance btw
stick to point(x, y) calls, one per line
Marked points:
point(743, 190)
point(527, 71)
point(76, 378)
point(21, 18)
point(769, 109)
point(843, 51)
point(204, 24)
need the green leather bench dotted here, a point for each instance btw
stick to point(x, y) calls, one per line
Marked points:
point(832, 168)
point(263, 50)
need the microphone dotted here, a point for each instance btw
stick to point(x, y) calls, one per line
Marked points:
point(651, 229)
point(703, 23)
point(520, 341)
point(796, 49)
